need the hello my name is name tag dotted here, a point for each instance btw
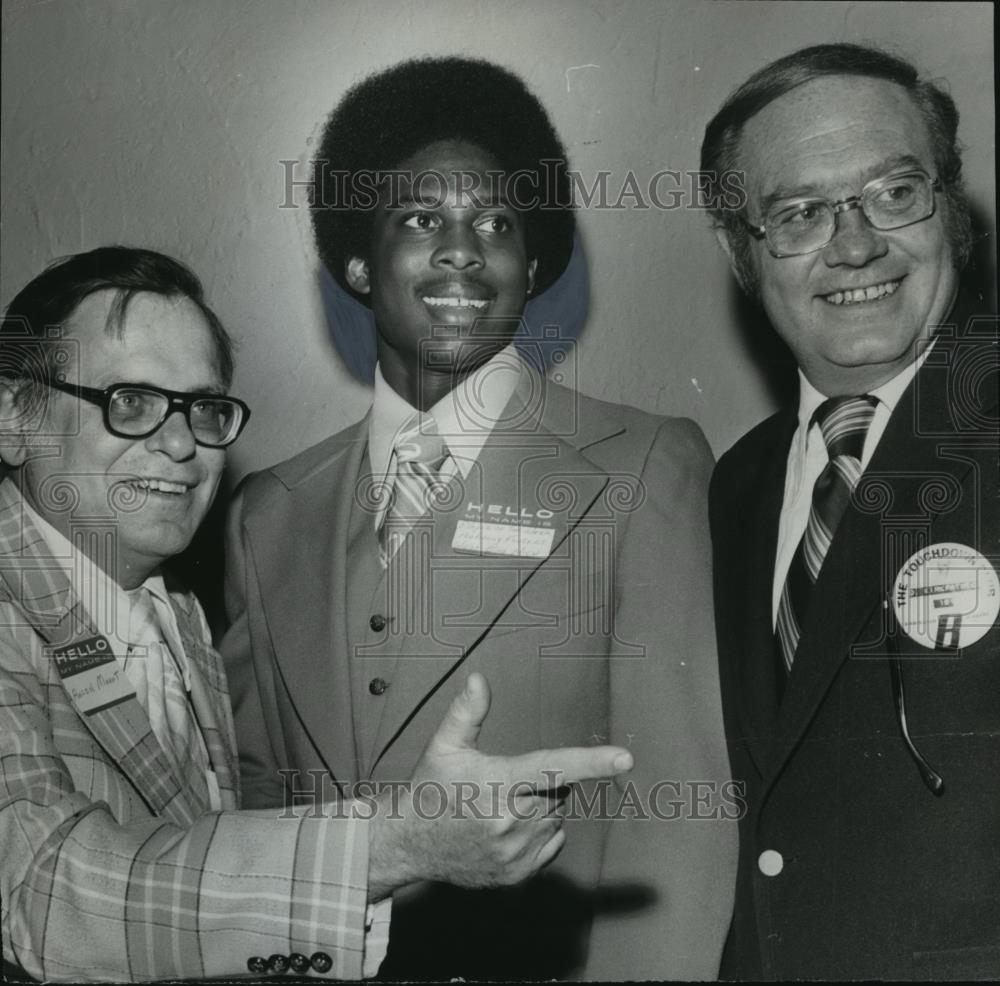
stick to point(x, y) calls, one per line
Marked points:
point(501, 529)
point(91, 674)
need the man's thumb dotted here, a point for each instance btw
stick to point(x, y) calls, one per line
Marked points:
point(460, 727)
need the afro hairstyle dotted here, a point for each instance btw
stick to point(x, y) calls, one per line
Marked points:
point(389, 116)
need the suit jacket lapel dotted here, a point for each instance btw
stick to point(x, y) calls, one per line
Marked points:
point(749, 571)
point(304, 589)
point(522, 467)
point(862, 562)
point(36, 583)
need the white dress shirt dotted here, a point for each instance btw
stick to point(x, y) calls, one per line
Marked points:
point(808, 456)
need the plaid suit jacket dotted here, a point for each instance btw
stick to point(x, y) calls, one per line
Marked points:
point(111, 866)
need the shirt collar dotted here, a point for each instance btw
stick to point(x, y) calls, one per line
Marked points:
point(888, 394)
point(465, 416)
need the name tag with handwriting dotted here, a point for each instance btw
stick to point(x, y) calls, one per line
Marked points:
point(91, 674)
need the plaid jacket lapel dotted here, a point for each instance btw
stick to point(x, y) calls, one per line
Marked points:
point(34, 582)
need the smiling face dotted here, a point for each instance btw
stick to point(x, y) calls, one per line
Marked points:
point(155, 490)
point(447, 271)
point(852, 312)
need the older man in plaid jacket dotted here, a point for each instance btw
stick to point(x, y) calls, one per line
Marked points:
point(123, 853)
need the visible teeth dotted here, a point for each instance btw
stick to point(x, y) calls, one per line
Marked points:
point(161, 486)
point(451, 302)
point(872, 293)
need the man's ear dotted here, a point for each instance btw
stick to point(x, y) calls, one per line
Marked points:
point(356, 273)
point(746, 278)
point(13, 441)
point(532, 267)
point(722, 235)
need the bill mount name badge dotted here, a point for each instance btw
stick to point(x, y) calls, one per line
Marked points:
point(946, 596)
point(91, 674)
point(498, 529)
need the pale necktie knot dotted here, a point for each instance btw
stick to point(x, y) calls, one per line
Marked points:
point(418, 441)
point(843, 422)
point(420, 454)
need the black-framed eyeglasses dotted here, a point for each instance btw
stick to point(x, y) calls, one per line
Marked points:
point(137, 410)
point(793, 227)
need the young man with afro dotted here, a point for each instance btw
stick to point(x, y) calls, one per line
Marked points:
point(481, 517)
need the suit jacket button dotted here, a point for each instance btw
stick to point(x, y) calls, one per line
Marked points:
point(377, 623)
point(298, 962)
point(770, 862)
point(377, 686)
point(321, 962)
point(257, 964)
point(278, 963)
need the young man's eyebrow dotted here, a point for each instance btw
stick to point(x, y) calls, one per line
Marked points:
point(475, 197)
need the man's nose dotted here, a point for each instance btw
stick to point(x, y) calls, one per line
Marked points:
point(856, 242)
point(459, 248)
point(174, 437)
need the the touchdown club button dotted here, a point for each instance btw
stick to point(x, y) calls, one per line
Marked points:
point(946, 596)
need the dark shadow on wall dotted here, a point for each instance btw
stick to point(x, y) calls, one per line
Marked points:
point(980, 275)
point(201, 567)
point(764, 347)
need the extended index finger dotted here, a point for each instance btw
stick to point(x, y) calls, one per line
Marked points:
point(551, 768)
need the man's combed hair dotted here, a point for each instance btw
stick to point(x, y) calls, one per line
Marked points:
point(49, 299)
point(720, 148)
point(388, 117)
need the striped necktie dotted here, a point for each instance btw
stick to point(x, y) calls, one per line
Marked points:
point(843, 422)
point(420, 452)
point(151, 667)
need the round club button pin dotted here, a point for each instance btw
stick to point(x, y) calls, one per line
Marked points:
point(257, 964)
point(377, 623)
point(946, 596)
point(770, 862)
point(298, 962)
point(377, 686)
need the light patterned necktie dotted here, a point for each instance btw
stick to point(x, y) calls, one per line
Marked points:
point(844, 423)
point(420, 453)
point(152, 668)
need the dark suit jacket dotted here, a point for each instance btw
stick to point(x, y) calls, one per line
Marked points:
point(607, 638)
point(880, 877)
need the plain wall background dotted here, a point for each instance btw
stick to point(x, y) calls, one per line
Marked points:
point(162, 123)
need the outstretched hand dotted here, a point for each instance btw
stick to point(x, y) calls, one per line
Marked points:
point(477, 820)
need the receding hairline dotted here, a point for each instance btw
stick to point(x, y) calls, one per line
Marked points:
point(117, 302)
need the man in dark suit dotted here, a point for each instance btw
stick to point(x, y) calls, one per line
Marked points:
point(856, 535)
point(558, 544)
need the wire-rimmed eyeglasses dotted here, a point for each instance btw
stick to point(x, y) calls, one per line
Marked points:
point(793, 227)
